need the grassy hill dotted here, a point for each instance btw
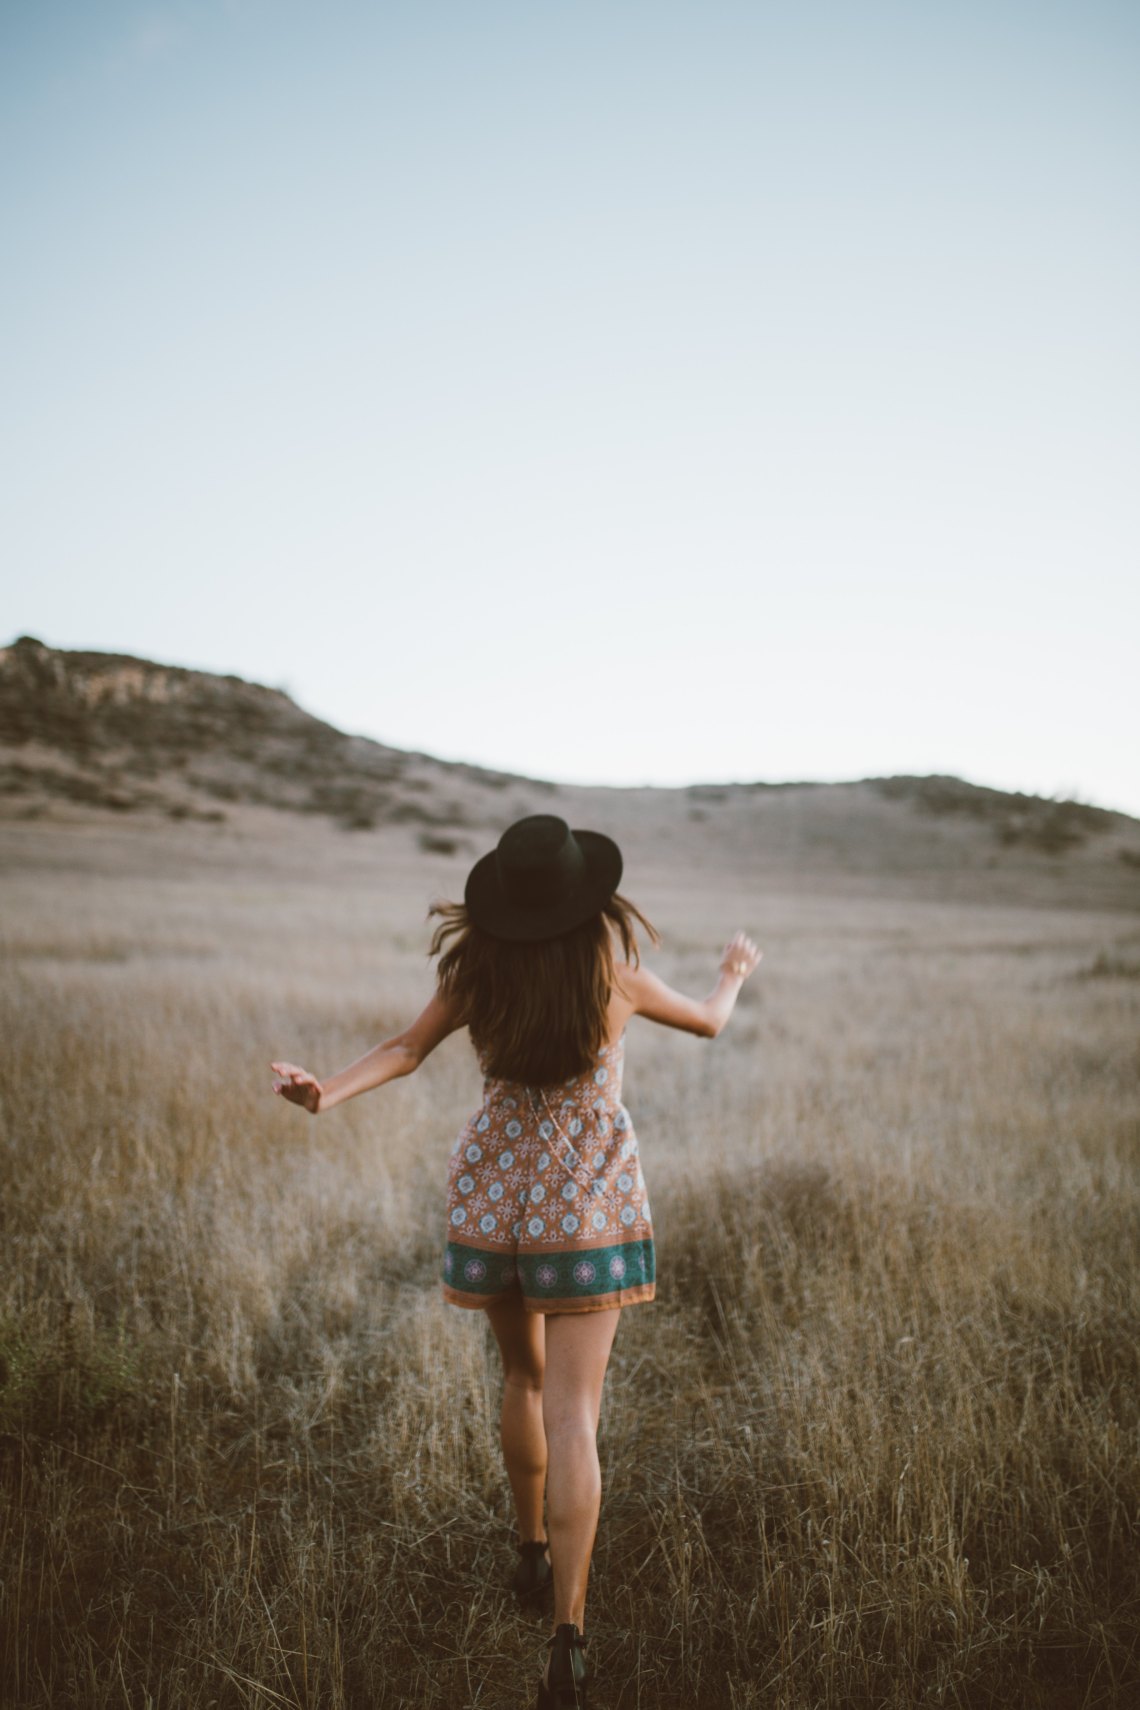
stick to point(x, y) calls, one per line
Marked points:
point(87, 738)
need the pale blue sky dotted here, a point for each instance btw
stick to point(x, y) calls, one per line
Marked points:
point(611, 392)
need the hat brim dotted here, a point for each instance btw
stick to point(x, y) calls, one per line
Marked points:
point(494, 913)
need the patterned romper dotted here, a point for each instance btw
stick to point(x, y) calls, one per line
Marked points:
point(546, 1199)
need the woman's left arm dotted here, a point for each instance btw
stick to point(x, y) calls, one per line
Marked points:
point(400, 1055)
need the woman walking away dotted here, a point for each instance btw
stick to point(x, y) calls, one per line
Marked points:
point(548, 1225)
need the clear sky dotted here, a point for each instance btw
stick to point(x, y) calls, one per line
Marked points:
point(611, 392)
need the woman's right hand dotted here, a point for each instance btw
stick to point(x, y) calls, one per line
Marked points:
point(298, 1086)
point(740, 956)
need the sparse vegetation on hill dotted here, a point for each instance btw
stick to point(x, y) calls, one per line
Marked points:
point(1037, 822)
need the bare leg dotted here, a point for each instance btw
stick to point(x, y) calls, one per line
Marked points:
point(521, 1338)
point(577, 1348)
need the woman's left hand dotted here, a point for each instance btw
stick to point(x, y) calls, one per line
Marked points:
point(298, 1086)
point(741, 956)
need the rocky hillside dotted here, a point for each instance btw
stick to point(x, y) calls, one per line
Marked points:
point(110, 731)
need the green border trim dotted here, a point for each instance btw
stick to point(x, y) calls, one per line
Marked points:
point(555, 1276)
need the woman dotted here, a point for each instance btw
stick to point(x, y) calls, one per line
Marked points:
point(548, 1225)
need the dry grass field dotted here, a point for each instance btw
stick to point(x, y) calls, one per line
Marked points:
point(877, 1442)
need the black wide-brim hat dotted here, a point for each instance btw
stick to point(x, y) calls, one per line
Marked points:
point(542, 880)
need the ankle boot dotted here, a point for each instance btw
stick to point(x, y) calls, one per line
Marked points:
point(534, 1575)
point(567, 1673)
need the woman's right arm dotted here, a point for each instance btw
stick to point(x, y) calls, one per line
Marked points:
point(401, 1055)
point(652, 998)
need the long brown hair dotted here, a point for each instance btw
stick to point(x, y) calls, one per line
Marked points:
point(536, 1012)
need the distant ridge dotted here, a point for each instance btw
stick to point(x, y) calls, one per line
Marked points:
point(112, 732)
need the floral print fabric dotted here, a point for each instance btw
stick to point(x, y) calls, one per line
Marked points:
point(546, 1198)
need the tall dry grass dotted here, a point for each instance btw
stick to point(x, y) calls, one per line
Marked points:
point(876, 1443)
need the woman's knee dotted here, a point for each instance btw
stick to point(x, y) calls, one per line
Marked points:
point(568, 1425)
point(526, 1376)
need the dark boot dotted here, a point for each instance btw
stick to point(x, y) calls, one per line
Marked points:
point(567, 1673)
point(534, 1575)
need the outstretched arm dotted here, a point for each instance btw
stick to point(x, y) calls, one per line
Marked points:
point(400, 1055)
point(655, 1000)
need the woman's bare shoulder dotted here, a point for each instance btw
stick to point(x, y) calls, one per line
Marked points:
point(628, 977)
point(627, 992)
